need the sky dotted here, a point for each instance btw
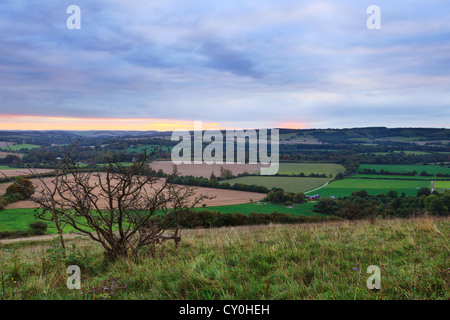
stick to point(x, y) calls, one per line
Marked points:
point(161, 65)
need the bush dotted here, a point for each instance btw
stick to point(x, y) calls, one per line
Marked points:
point(14, 234)
point(38, 228)
point(215, 219)
point(22, 186)
point(423, 192)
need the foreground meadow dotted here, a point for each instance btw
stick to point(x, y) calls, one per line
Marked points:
point(308, 261)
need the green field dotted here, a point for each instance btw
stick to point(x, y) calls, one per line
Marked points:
point(431, 169)
point(442, 184)
point(19, 219)
point(307, 168)
point(305, 209)
point(390, 177)
point(345, 187)
point(6, 167)
point(288, 184)
point(18, 147)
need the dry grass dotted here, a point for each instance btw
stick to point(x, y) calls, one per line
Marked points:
point(308, 261)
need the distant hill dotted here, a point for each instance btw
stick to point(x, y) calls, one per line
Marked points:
point(366, 135)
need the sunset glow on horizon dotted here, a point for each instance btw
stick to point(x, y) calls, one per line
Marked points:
point(43, 123)
point(19, 122)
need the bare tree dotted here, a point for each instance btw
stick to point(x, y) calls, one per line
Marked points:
point(121, 207)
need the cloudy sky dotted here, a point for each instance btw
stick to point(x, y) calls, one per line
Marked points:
point(162, 64)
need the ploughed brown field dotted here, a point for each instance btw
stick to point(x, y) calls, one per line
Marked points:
point(21, 172)
point(221, 196)
point(204, 170)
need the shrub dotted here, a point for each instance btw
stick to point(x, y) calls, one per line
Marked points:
point(22, 186)
point(39, 227)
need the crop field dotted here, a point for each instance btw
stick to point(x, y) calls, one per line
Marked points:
point(204, 170)
point(288, 184)
point(14, 172)
point(345, 187)
point(442, 184)
point(307, 168)
point(220, 196)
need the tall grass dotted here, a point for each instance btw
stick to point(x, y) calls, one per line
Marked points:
point(308, 261)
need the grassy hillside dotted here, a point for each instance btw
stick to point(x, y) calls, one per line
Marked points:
point(310, 261)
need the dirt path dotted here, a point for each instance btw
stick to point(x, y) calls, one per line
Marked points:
point(41, 238)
